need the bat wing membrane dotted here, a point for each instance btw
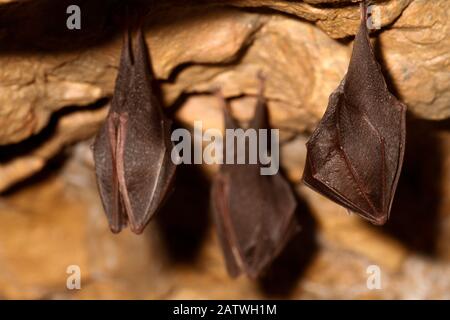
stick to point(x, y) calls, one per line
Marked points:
point(255, 214)
point(355, 154)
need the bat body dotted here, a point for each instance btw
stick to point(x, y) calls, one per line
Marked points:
point(132, 148)
point(355, 155)
point(254, 213)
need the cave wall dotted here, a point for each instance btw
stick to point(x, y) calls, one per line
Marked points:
point(55, 86)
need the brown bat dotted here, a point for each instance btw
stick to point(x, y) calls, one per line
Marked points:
point(355, 155)
point(254, 214)
point(132, 149)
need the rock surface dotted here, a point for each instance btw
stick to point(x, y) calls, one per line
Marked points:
point(55, 86)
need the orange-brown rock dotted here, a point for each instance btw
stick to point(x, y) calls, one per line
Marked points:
point(55, 86)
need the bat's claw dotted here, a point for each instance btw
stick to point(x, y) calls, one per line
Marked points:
point(262, 83)
point(261, 76)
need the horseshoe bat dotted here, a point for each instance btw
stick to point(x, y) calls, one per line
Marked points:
point(355, 155)
point(254, 214)
point(132, 149)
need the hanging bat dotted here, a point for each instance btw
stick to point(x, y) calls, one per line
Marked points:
point(355, 155)
point(132, 149)
point(254, 214)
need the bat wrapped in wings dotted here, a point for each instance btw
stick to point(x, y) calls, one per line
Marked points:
point(355, 155)
point(254, 214)
point(132, 149)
